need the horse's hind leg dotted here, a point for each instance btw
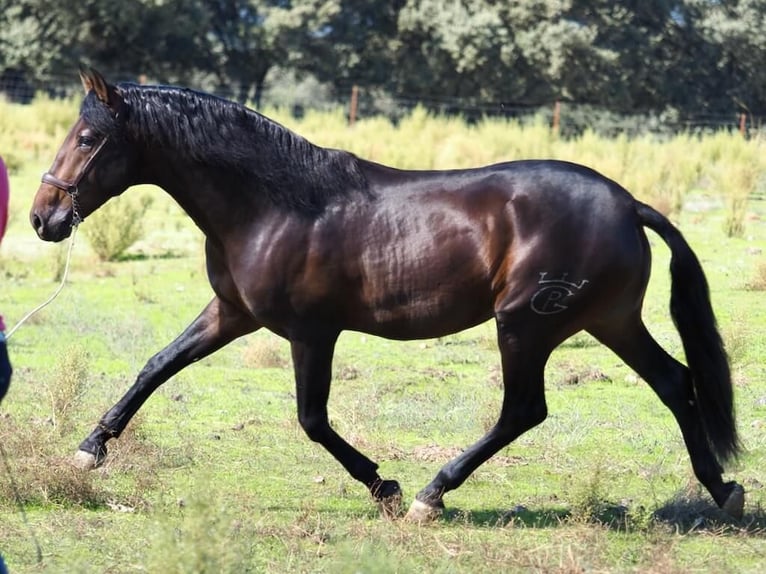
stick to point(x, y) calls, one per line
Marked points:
point(523, 361)
point(672, 382)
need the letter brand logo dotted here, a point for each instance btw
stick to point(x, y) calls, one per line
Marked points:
point(549, 299)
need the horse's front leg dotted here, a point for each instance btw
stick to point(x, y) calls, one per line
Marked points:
point(218, 324)
point(312, 360)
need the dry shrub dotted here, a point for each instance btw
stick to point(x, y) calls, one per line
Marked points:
point(116, 226)
point(758, 282)
point(738, 177)
point(37, 476)
point(206, 537)
point(57, 481)
point(133, 451)
point(588, 502)
point(67, 386)
point(265, 352)
point(40, 476)
point(737, 338)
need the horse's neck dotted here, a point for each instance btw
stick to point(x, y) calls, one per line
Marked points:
point(211, 200)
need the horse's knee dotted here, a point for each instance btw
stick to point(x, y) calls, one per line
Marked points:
point(520, 420)
point(315, 426)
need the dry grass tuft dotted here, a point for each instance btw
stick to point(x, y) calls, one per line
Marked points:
point(132, 451)
point(738, 339)
point(758, 282)
point(205, 537)
point(38, 475)
point(67, 386)
point(265, 352)
point(663, 204)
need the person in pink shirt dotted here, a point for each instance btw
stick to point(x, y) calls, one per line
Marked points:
point(5, 364)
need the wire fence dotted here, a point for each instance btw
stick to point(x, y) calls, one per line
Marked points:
point(569, 119)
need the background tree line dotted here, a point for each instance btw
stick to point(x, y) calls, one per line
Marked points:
point(629, 56)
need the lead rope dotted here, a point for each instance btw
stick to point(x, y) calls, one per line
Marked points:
point(55, 293)
point(8, 469)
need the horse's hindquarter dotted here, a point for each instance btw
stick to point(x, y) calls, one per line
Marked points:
point(580, 254)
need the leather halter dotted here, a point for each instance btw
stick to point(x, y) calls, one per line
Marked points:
point(72, 188)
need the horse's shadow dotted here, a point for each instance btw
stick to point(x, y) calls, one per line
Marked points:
point(681, 514)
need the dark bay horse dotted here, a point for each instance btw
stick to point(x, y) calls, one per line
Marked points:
point(307, 241)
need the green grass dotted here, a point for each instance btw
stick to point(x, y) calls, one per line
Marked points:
point(215, 474)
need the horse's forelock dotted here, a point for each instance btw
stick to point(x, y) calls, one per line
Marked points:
point(99, 116)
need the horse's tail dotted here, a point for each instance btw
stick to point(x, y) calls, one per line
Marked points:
point(705, 354)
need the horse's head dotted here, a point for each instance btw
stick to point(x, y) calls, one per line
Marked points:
point(92, 165)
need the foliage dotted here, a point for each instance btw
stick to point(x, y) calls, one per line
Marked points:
point(639, 57)
point(116, 226)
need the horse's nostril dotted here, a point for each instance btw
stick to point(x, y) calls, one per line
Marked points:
point(37, 223)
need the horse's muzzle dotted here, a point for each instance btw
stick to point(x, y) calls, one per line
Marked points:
point(53, 226)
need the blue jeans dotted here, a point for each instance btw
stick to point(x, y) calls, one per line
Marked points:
point(5, 369)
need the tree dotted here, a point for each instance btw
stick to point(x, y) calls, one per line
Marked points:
point(529, 52)
point(659, 57)
point(42, 38)
point(350, 42)
point(627, 55)
point(735, 28)
point(247, 39)
point(449, 49)
point(29, 44)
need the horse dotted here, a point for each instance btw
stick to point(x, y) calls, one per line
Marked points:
point(307, 242)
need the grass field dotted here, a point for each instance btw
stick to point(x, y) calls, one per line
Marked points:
point(215, 474)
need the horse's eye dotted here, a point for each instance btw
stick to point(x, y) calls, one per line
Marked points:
point(85, 141)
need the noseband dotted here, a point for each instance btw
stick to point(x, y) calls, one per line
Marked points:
point(71, 189)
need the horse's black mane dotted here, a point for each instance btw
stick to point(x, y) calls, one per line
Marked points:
point(222, 134)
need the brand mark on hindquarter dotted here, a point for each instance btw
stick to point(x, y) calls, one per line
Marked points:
point(551, 297)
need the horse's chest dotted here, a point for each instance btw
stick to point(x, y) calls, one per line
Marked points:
point(283, 284)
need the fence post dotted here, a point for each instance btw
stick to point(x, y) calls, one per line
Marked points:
point(353, 105)
point(556, 117)
point(743, 124)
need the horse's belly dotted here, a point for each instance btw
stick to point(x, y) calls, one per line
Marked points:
point(416, 315)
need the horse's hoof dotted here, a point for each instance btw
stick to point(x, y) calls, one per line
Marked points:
point(391, 506)
point(735, 503)
point(421, 513)
point(86, 461)
point(388, 495)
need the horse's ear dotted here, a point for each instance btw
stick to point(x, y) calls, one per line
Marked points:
point(92, 80)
